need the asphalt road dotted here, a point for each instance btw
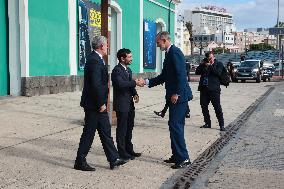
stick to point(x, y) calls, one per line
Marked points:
point(255, 158)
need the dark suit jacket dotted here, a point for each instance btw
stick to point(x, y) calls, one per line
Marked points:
point(213, 72)
point(123, 89)
point(174, 76)
point(95, 91)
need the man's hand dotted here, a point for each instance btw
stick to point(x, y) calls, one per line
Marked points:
point(102, 108)
point(140, 82)
point(136, 98)
point(174, 98)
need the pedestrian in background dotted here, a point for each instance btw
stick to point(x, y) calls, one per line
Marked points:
point(209, 87)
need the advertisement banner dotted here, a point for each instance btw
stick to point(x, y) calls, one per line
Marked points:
point(149, 44)
point(89, 26)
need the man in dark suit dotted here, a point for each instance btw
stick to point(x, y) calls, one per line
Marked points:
point(124, 93)
point(178, 93)
point(209, 87)
point(94, 101)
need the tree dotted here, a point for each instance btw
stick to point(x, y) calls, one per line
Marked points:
point(219, 50)
point(260, 47)
point(188, 26)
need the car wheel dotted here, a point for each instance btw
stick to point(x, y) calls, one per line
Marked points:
point(269, 79)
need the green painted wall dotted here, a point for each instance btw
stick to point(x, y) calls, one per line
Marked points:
point(3, 49)
point(130, 30)
point(49, 37)
point(153, 12)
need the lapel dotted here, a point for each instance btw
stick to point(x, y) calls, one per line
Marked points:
point(124, 72)
point(167, 54)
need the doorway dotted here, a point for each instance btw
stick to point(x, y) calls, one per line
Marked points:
point(115, 33)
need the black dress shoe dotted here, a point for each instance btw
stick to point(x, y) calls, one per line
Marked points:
point(127, 158)
point(206, 126)
point(222, 128)
point(116, 163)
point(134, 154)
point(83, 167)
point(170, 160)
point(183, 164)
point(161, 114)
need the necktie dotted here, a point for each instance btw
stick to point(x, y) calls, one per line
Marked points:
point(128, 74)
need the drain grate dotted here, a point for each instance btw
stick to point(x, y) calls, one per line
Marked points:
point(202, 161)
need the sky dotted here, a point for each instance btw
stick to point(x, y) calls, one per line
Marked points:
point(246, 13)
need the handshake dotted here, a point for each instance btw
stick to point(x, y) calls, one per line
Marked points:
point(140, 82)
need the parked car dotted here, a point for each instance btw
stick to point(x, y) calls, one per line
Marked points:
point(267, 73)
point(249, 70)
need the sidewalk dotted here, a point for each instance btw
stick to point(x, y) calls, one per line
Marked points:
point(40, 135)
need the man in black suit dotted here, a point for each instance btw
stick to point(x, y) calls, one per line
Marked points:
point(209, 87)
point(124, 93)
point(94, 101)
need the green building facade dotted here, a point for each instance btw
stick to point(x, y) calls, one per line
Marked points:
point(39, 41)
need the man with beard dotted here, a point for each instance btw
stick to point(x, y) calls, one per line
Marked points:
point(124, 93)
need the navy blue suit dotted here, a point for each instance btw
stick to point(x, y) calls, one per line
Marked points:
point(123, 93)
point(95, 95)
point(174, 76)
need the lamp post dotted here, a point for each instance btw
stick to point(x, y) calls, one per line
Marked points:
point(246, 43)
point(191, 45)
point(282, 52)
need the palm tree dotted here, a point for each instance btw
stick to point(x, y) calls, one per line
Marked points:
point(188, 26)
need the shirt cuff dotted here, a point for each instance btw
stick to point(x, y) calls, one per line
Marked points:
point(147, 82)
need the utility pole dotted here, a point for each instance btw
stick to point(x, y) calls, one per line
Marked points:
point(104, 32)
point(278, 36)
point(104, 21)
point(169, 17)
point(278, 14)
point(245, 42)
point(282, 61)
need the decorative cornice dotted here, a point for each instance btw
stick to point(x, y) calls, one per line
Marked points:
point(161, 5)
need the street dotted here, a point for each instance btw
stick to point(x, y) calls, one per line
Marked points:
point(255, 158)
point(40, 135)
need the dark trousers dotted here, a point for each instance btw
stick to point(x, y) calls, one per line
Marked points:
point(96, 121)
point(177, 114)
point(125, 124)
point(168, 102)
point(214, 97)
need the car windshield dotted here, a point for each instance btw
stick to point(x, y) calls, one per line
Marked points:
point(249, 64)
